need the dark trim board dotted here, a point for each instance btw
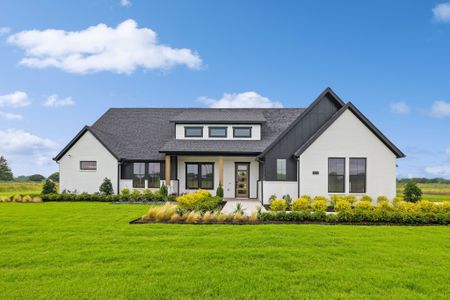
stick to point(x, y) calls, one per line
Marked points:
point(203, 153)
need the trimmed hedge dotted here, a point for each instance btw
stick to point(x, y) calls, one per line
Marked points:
point(154, 197)
point(423, 212)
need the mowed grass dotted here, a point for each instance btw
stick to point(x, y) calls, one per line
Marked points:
point(89, 251)
point(10, 188)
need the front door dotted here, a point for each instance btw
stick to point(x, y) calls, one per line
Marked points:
point(242, 180)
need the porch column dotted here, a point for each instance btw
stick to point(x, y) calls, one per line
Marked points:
point(167, 170)
point(221, 170)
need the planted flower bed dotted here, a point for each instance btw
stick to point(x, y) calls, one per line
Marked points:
point(190, 210)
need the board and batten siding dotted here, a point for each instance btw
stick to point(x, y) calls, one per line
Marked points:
point(87, 148)
point(348, 138)
point(320, 113)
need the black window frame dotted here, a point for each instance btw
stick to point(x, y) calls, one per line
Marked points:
point(144, 177)
point(285, 169)
point(217, 127)
point(365, 174)
point(186, 128)
point(343, 176)
point(242, 127)
point(158, 185)
point(199, 175)
point(88, 161)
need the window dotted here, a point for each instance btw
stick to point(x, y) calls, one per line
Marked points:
point(193, 131)
point(200, 175)
point(242, 132)
point(154, 170)
point(139, 175)
point(281, 169)
point(336, 175)
point(86, 165)
point(217, 131)
point(357, 175)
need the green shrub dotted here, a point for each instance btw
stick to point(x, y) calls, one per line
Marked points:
point(125, 192)
point(219, 191)
point(300, 204)
point(106, 187)
point(411, 192)
point(307, 197)
point(288, 199)
point(335, 198)
point(366, 198)
point(320, 198)
point(163, 190)
point(278, 205)
point(382, 199)
point(319, 204)
point(272, 197)
point(200, 200)
point(136, 195)
point(342, 205)
point(49, 187)
point(350, 198)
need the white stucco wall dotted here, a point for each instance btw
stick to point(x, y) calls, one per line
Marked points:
point(228, 173)
point(279, 189)
point(256, 131)
point(90, 149)
point(348, 137)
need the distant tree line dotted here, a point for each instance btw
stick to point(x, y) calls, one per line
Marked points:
point(423, 180)
point(7, 175)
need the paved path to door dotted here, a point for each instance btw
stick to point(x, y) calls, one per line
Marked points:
point(249, 205)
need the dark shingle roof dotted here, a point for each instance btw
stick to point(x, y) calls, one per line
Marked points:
point(220, 115)
point(141, 133)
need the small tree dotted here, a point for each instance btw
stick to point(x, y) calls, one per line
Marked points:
point(412, 192)
point(106, 187)
point(219, 191)
point(5, 172)
point(54, 177)
point(36, 177)
point(49, 187)
point(163, 190)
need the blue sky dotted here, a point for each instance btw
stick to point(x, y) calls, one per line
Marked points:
point(390, 58)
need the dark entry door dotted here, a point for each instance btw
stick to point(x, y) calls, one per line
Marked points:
point(242, 180)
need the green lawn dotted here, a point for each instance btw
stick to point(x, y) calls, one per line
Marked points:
point(89, 251)
point(436, 192)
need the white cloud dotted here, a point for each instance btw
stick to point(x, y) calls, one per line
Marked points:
point(440, 109)
point(4, 30)
point(54, 101)
point(16, 99)
point(246, 99)
point(400, 107)
point(125, 2)
point(441, 12)
point(9, 116)
point(101, 48)
point(443, 170)
point(25, 149)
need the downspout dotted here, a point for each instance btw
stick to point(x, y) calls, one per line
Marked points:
point(298, 176)
point(119, 168)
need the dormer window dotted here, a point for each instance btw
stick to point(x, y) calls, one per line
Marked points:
point(217, 132)
point(193, 131)
point(242, 132)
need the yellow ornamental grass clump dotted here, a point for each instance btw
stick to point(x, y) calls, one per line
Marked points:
point(175, 218)
point(160, 212)
point(208, 217)
point(300, 204)
point(319, 204)
point(17, 198)
point(342, 205)
point(27, 198)
point(36, 199)
point(193, 217)
point(4, 199)
point(278, 205)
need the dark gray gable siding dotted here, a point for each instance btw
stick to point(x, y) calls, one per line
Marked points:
point(318, 114)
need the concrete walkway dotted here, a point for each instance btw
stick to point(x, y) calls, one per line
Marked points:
point(248, 205)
